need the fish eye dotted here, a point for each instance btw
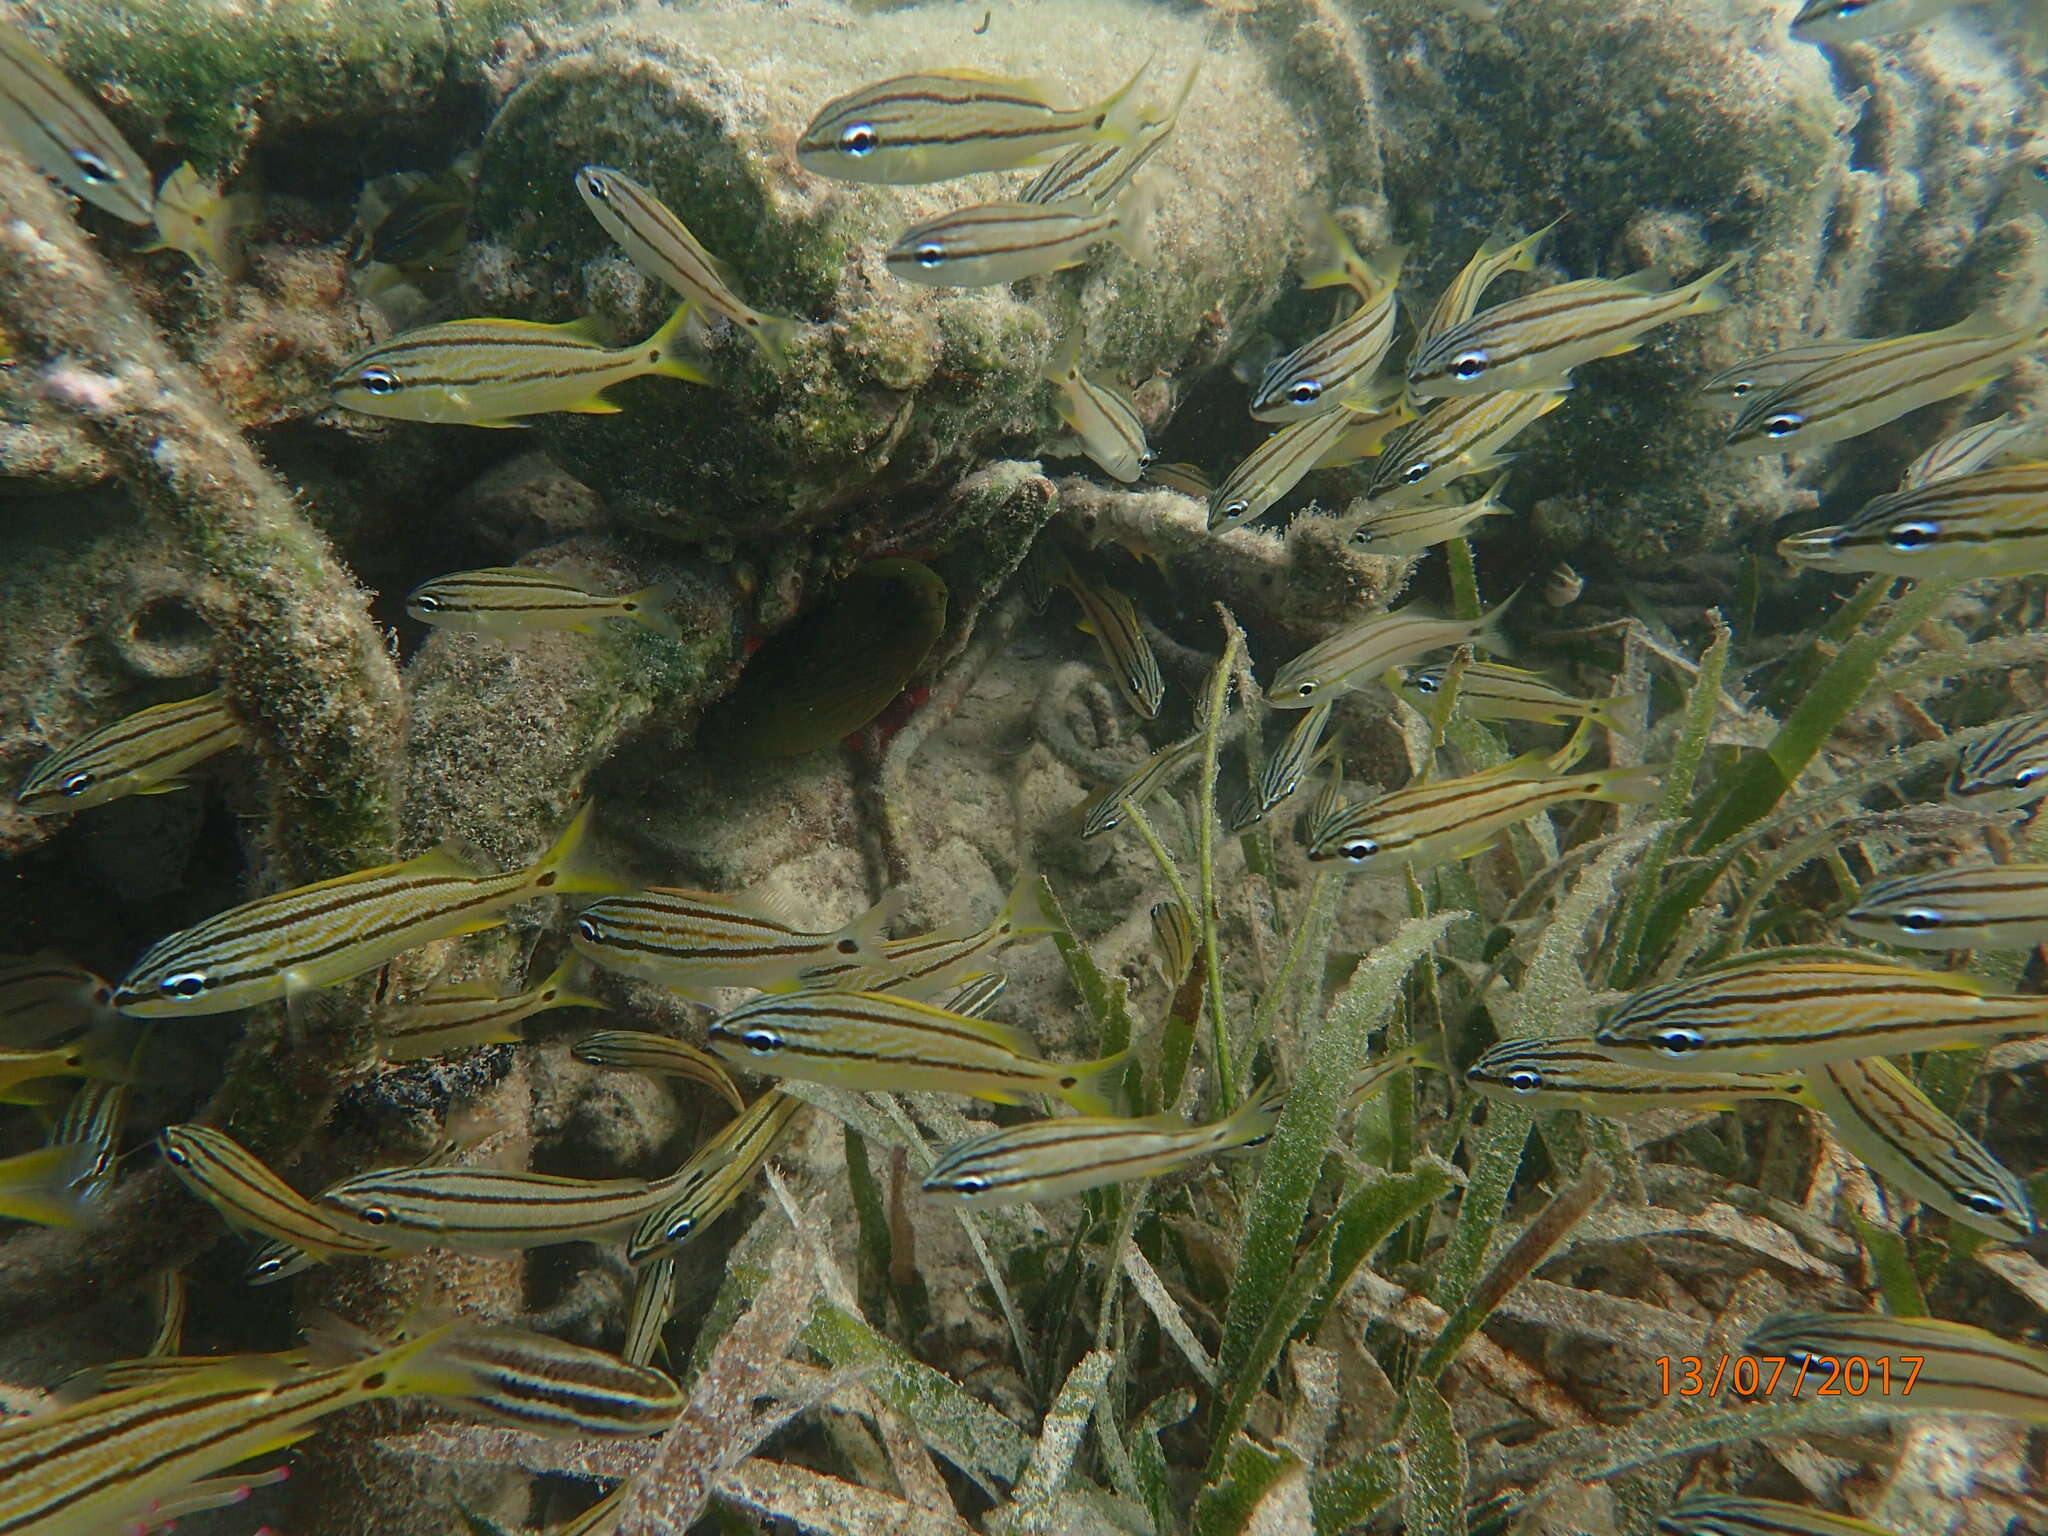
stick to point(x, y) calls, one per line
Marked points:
point(1914, 535)
point(91, 166)
point(1677, 1041)
point(1742, 387)
point(1982, 1203)
point(1416, 473)
point(2039, 170)
point(1305, 687)
point(680, 1228)
point(1783, 424)
point(1469, 365)
point(586, 929)
point(858, 140)
point(1147, 458)
point(930, 254)
point(379, 381)
point(1850, 7)
point(1307, 392)
point(762, 1042)
point(75, 783)
point(2025, 778)
point(176, 1156)
point(596, 186)
point(375, 1215)
point(426, 602)
point(1236, 509)
point(1359, 849)
point(1422, 682)
point(185, 984)
point(1918, 920)
point(970, 1184)
point(1525, 1080)
point(269, 1264)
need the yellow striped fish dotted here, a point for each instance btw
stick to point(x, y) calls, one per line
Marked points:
point(1756, 374)
point(1337, 364)
point(2000, 772)
point(1859, 390)
point(135, 1458)
point(251, 1197)
point(42, 996)
point(1410, 529)
point(64, 136)
point(1496, 257)
point(1760, 1014)
point(635, 1050)
point(1460, 437)
point(1897, 1131)
point(1489, 691)
point(1188, 479)
point(1993, 523)
point(711, 1183)
point(693, 941)
point(1446, 819)
point(147, 753)
point(956, 122)
point(977, 996)
point(1144, 781)
point(1354, 657)
point(1542, 336)
point(497, 373)
point(1277, 465)
point(318, 935)
point(1568, 1072)
point(1298, 757)
point(99, 1054)
point(661, 246)
point(930, 962)
point(1971, 449)
point(1174, 932)
point(989, 243)
point(1376, 1075)
point(1113, 620)
point(1728, 1514)
point(46, 1186)
point(871, 1040)
point(1051, 1159)
point(1952, 1367)
point(513, 599)
point(1102, 417)
point(1098, 170)
point(171, 1298)
point(1991, 906)
point(652, 1309)
point(549, 1386)
point(457, 1016)
point(92, 1118)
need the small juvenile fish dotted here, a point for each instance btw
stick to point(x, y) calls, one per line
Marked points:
point(1188, 479)
point(1174, 932)
point(930, 962)
point(635, 1050)
point(978, 996)
point(1376, 1075)
point(660, 246)
point(317, 935)
point(1285, 769)
point(1728, 1514)
point(1338, 364)
point(1411, 529)
point(1429, 824)
point(194, 217)
point(45, 1186)
point(711, 1183)
point(1992, 523)
point(933, 127)
point(488, 1210)
point(497, 373)
point(552, 1387)
point(1563, 586)
point(652, 1309)
point(1278, 464)
point(694, 941)
point(1489, 691)
point(146, 753)
point(1771, 1015)
point(1952, 1367)
point(171, 1298)
point(1098, 170)
point(453, 1018)
point(1971, 449)
point(92, 1118)
point(1853, 21)
point(2001, 772)
point(1756, 374)
point(1147, 779)
point(1329, 805)
point(1113, 620)
point(44, 996)
point(1990, 906)
point(871, 1040)
point(64, 136)
point(1496, 257)
point(1568, 1072)
point(511, 599)
point(1878, 1114)
point(1353, 657)
point(251, 1197)
point(1874, 384)
point(1102, 417)
point(1051, 1159)
point(415, 220)
point(1542, 336)
point(989, 243)
point(1460, 437)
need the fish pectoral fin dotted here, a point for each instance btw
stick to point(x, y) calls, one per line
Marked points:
point(481, 925)
point(1475, 850)
point(999, 1096)
point(596, 405)
point(503, 422)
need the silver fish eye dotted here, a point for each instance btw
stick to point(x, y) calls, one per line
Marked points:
point(1525, 1080)
point(1305, 687)
point(426, 602)
point(1677, 1041)
point(1783, 424)
point(1307, 392)
point(1982, 1202)
point(1741, 387)
point(762, 1042)
point(586, 929)
point(185, 984)
point(75, 783)
point(176, 1156)
point(1913, 535)
point(1232, 511)
point(379, 381)
point(970, 1184)
point(1147, 458)
point(1422, 682)
point(930, 254)
point(91, 166)
point(1469, 365)
point(1359, 849)
point(680, 1228)
point(596, 186)
point(1417, 472)
point(375, 1215)
point(2025, 777)
point(858, 140)
point(1917, 920)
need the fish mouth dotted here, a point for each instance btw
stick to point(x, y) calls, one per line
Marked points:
point(1814, 547)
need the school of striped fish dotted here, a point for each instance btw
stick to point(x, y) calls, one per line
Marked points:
point(853, 1006)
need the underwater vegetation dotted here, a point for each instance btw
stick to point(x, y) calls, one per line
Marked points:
point(1090, 766)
